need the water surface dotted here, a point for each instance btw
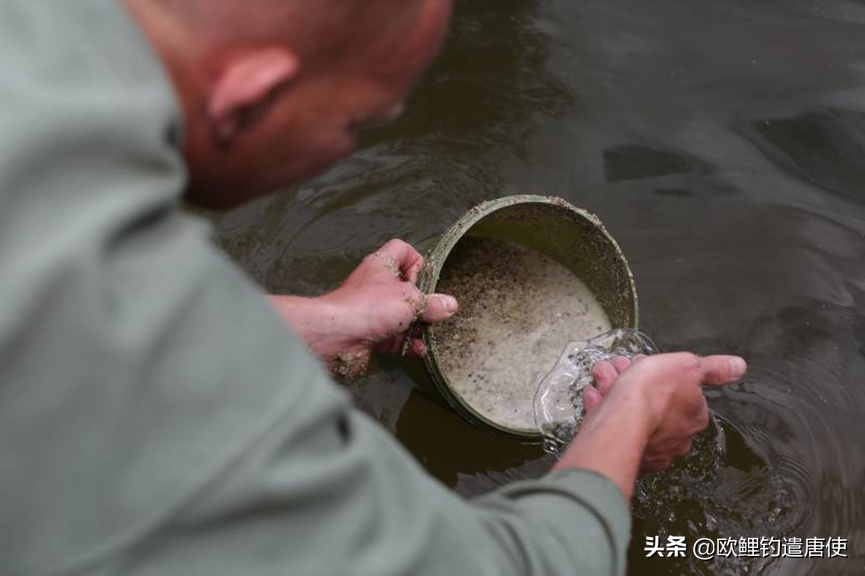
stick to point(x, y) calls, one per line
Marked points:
point(723, 145)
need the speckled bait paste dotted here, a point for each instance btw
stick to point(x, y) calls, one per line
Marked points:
point(518, 309)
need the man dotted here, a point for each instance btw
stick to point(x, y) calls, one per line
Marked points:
point(156, 416)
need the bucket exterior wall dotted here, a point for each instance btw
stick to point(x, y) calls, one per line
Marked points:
point(552, 226)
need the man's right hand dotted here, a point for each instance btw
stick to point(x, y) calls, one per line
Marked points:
point(644, 413)
point(673, 385)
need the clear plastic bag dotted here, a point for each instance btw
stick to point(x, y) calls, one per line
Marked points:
point(559, 401)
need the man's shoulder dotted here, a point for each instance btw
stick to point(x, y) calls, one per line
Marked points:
point(137, 361)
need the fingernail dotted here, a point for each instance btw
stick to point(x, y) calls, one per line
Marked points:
point(449, 303)
point(738, 367)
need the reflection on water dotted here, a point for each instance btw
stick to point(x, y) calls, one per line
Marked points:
point(634, 162)
point(724, 486)
point(826, 148)
point(723, 144)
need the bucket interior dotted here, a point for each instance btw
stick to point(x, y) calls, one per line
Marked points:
point(557, 230)
point(573, 240)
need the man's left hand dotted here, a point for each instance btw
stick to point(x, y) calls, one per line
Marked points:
point(372, 310)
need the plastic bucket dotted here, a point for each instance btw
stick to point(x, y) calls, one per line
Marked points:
point(555, 228)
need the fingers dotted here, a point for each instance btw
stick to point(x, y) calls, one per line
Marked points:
point(395, 344)
point(439, 307)
point(417, 347)
point(400, 258)
point(591, 398)
point(686, 367)
point(416, 306)
point(604, 374)
point(720, 370)
point(621, 363)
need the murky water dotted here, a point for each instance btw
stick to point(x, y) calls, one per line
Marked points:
point(723, 144)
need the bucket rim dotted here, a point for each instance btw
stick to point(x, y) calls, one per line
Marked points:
point(435, 261)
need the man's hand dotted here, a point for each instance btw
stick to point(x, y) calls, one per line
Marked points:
point(675, 382)
point(644, 413)
point(372, 310)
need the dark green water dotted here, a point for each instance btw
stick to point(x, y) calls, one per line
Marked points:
point(723, 144)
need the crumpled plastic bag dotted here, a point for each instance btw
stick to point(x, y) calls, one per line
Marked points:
point(559, 400)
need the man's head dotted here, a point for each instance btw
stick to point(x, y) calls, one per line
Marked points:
point(273, 91)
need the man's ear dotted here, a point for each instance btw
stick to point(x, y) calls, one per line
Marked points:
point(245, 85)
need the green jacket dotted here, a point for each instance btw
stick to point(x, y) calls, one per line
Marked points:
point(156, 416)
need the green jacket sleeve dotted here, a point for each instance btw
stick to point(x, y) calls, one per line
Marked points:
point(156, 416)
point(325, 492)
